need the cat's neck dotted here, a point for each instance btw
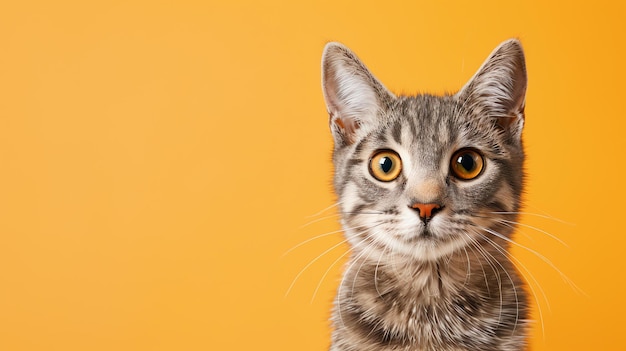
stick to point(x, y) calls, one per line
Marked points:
point(426, 304)
point(428, 281)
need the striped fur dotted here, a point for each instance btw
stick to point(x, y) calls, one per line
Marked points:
point(446, 283)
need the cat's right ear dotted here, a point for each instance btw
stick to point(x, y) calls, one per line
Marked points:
point(498, 89)
point(353, 96)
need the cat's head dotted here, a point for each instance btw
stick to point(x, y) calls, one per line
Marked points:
point(422, 176)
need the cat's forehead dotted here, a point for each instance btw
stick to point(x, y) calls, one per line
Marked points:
point(425, 104)
point(430, 127)
point(438, 119)
point(424, 119)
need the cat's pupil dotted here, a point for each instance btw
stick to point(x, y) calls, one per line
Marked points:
point(467, 162)
point(386, 164)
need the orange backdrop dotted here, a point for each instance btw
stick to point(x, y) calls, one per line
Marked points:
point(158, 158)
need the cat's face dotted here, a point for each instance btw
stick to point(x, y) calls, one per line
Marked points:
point(424, 176)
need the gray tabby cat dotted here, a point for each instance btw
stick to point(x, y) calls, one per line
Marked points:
point(429, 189)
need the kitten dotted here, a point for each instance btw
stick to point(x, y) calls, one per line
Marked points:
point(428, 188)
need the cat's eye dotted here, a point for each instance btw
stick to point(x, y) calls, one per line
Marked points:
point(467, 164)
point(385, 165)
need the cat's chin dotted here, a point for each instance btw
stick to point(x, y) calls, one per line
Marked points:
point(421, 242)
point(428, 247)
point(412, 240)
point(424, 245)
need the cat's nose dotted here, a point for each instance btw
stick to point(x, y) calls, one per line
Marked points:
point(426, 211)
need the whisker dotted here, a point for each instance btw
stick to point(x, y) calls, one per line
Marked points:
point(343, 279)
point(326, 273)
point(361, 255)
point(313, 261)
point(482, 268)
point(319, 220)
point(318, 237)
point(325, 209)
point(364, 212)
point(376, 272)
point(548, 215)
point(338, 215)
point(491, 260)
point(509, 257)
point(534, 214)
point(540, 256)
point(324, 253)
point(537, 229)
point(469, 264)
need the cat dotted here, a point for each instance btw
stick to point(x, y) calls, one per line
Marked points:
point(429, 190)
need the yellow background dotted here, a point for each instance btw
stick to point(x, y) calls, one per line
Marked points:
point(157, 159)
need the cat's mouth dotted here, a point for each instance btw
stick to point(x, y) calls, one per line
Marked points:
point(423, 235)
point(426, 233)
point(429, 229)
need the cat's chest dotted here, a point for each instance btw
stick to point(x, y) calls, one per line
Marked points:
point(417, 306)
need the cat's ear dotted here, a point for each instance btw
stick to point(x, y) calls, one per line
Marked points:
point(354, 97)
point(498, 89)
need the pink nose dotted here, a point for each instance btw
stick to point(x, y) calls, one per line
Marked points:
point(426, 211)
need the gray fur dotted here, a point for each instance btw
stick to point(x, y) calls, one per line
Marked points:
point(445, 284)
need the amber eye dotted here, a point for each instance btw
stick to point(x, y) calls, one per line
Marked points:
point(467, 164)
point(385, 165)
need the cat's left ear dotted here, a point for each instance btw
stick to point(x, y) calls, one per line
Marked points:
point(354, 97)
point(498, 89)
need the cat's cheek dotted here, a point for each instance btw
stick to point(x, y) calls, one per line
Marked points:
point(409, 225)
point(355, 234)
point(349, 198)
point(505, 197)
